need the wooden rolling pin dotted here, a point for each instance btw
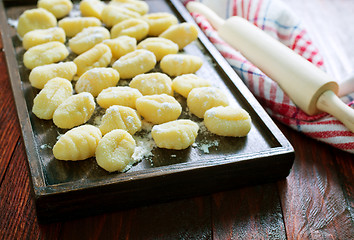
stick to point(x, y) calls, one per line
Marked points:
point(311, 89)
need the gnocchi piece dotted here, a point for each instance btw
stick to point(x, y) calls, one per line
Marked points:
point(228, 121)
point(124, 96)
point(91, 8)
point(98, 56)
point(37, 18)
point(120, 117)
point(55, 91)
point(114, 151)
point(159, 22)
point(158, 109)
point(152, 83)
point(39, 36)
point(40, 75)
point(45, 53)
point(140, 7)
point(178, 64)
point(88, 38)
point(97, 79)
point(121, 45)
point(132, 27)
point(178, 134)
point(182, 34)
point(74, 25)
point(185, 83)
point(159, 46)
point(135, 63)
point(111, 15)
point(201, 99)
point(59, 8)
point(74, 111)
point(78, 143)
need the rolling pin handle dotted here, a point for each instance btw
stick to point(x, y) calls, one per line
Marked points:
point(212, 17)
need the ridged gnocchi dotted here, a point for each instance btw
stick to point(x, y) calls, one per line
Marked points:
point(183, 84)
point(124, 96)
point(132, 27)
point(98, 56)
point(135, 63)
point(74, 111)
point(120, 117)
point(201, 99)
point(32, 19)
point(82, 142)
point(114, 151)
point(111, 15)
point(55, 91)
point(228, 121)
point(45, 53)
point(97, 79)
point(121, 45)
point(39, 36)
point(159, 22)
point(178, 64)
point(88, 38)
point(59, 8)
point(182, 34)
point(74, 25)
point(152, 83)
point(91, 8)
point(138, 6)
point(159, 108)
point(159, 46)
point(178, 134)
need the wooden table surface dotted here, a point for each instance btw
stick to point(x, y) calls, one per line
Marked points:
point(316, 201)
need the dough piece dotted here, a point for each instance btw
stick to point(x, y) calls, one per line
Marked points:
point(135, 63)
point(158, 109)
point(152, 83)
point(74, 25)
point(201, 99)
point(97, 79)
point(59, 8)
point(74, 111)
point(88, 38)
point(45, 53)
point(78, 143)
point(39, 36)
point(98, 56)
point(182, 34)
point(114, 151)
point(37, 18)
point(159, 22)
point(40, 75)
point(92, 8)
point(159, 46)
point(228, 121)
point(120, 117)
point(140, 7)
point(185, 83)
point(178, 134)
point(132, 27)
point(56, 91)
point(124, 96)
point(111, 15)
point(178, 64)
point(121, 45)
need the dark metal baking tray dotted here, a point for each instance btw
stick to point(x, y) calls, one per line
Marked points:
point(72, 189)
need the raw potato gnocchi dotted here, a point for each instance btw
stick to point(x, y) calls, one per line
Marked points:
point(132, 27)
point(159, 22)
point(178, 64)
point(135, 63)
point(124, 96)
point(37, 18)
point(82, 142)
point(121, 45)
point(138, 6)
point(56, 91)
point(120, 117)
point(74, 25)
point(114, 151)
point(40, 75)
point(45, 53)
point(39, 36)
point(182, 34)
point(91, 8)
point(158, 109)
point(97, 79)
point(111, 15)
point(59, 8)
point(185, 83)
point(228, 121)
point(152, 83)
point(74, 111)
point(178, 134)
point(159, 46)
point(201, 99)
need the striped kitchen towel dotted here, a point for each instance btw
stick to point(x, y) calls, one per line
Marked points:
point(276, 19)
